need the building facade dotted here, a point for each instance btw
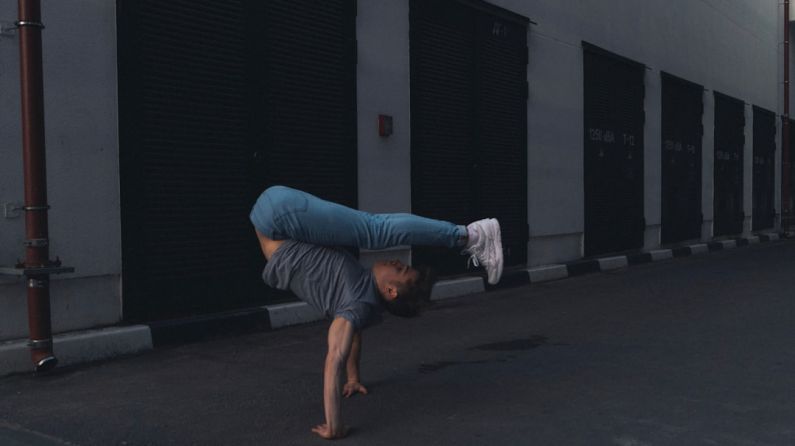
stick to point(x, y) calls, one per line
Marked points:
point(586, 128)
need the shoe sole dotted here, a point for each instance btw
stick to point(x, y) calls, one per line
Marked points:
point(497, 245)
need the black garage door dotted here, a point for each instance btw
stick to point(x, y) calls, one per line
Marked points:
point(614, 116)
point(729, 144)
point(219, 100)
point(682, 130)
point(764, 168)
point(469, 122)
point(791, 174)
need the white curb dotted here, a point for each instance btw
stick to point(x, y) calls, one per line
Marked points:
point(701, 248)
point(445, 289)
point(547, 273)
point(608, 263)
point(753, 240)
point(661, 254)
point(728, 244)
point(294, 313)
point(773, 236)
point(79, 347)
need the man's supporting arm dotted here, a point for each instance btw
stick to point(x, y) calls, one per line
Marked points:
point(340, 338)
point(354, 383)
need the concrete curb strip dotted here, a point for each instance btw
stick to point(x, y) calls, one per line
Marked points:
point(445, 289)
point(610, 263)
point(92, 345)
point(547, 273)
point(661, 254)
point(294, 313)
point(79, 347)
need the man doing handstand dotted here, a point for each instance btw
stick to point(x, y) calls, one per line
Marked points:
point(297, 232)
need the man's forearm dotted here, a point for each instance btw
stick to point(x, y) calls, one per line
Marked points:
point(332, 391)
point(340, 338)
point(353, 359)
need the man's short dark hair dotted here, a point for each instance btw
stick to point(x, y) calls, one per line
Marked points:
point(413, 296)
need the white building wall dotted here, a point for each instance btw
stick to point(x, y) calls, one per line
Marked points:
point(708, 167)
point(748, 170)
point(382, 29)
point(80, 100)
point(730, 46)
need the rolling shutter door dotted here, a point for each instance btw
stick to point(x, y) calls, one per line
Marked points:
point(209, 117)
point(764, 168)
point(614, 117)
point(729, 144)
point(184, 157)
point(682, 109)
point(468, 121)
point(442, 127)
point(306, 107)
point(501, 110)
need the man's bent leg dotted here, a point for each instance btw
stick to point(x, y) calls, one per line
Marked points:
point(285, 213)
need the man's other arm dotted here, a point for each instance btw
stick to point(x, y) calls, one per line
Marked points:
point(340, 338)
point(354, 383)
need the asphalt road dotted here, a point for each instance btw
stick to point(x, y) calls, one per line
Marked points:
point(692, 351)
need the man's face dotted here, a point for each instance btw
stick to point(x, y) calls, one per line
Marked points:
point(397, 273)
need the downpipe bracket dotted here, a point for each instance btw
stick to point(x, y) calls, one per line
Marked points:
point(40, 343)
point(37, 243)
point(21, 270)
point(24, 23)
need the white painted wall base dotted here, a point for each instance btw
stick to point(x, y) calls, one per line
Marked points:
point(706, 230)
point(76, 304)
point(553, 249)
point(652, 236)
point(79, 347)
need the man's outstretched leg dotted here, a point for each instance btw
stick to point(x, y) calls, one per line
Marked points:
point(284, 213)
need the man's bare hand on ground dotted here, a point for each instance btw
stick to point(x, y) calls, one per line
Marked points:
point(324, 431)
point(352, 388)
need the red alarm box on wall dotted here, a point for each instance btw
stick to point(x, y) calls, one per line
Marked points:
point(384, 125)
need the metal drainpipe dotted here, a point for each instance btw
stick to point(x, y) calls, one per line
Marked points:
point(37, 266)
point(786, 208)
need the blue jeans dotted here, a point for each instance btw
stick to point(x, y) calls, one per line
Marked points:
point(283, 213)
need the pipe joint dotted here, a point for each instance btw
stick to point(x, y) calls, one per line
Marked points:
point(36, 208)
point(37, 243)
point(37, 283)
point(32, 24)
point(40, 344)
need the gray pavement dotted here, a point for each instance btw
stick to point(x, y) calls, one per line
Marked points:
point(692, 351)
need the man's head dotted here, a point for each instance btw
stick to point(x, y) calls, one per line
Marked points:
point(404, 289)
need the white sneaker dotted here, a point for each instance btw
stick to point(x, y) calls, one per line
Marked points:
point(488, 249)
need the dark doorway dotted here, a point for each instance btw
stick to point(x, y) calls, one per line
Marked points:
point(217, 102)
point(682, 130)
point(469, 122)
point(729, 145)
point(764, 169)
point(614, 117)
